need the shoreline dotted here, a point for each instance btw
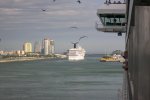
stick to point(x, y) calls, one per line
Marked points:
point(23, 59)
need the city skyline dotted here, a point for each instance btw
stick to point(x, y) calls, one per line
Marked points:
point(64, 21)
point(46, 47)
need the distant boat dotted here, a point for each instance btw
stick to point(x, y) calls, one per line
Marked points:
point(113, 58)
point(76, 53)
point(108, 59)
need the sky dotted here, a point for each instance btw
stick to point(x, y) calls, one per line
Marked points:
point(24, 21)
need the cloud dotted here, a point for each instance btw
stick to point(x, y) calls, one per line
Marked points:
point(23, 20)
point(9, 11)
point(63, 13)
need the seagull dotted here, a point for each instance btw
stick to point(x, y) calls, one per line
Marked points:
point(74, 27)
point(79, 1)
point(82, 37)
point(43, 9)
point(74, 42)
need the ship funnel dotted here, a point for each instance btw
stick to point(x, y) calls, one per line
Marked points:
point(75, 44)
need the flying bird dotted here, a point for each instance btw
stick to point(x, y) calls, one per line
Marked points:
point(74, 42)
point(74, 27)
point(43, 9)
point(54, 0)
point(82, 37)
point(79, 1)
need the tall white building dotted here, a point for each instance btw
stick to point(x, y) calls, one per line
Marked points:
point(27, 47)
point(52, 47)
point(48, 46)
point(37, 47)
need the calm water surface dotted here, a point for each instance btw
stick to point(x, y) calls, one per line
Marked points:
point(60, 80)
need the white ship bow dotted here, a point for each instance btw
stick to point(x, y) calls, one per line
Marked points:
point(76, 53)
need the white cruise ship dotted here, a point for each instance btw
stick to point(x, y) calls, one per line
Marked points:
point(76, 53)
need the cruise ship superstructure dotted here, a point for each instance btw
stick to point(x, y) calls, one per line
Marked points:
point(76, 53)
point(112, 17)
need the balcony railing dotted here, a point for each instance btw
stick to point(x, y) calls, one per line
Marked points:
point(110, 28)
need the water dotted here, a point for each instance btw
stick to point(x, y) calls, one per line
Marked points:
point(60, 80)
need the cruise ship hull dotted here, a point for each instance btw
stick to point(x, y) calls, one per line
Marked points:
point(76, 54)
point(75, 57)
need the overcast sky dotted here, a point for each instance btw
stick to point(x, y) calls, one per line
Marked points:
point(24, 21)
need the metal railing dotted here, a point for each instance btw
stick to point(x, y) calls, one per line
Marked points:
point(111, 28)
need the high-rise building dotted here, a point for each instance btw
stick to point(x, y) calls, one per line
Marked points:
point(37, 47)
point(47, 46)
point(27, 47)
point(52, 48)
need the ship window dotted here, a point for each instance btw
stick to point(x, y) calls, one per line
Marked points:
point(113, 20)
